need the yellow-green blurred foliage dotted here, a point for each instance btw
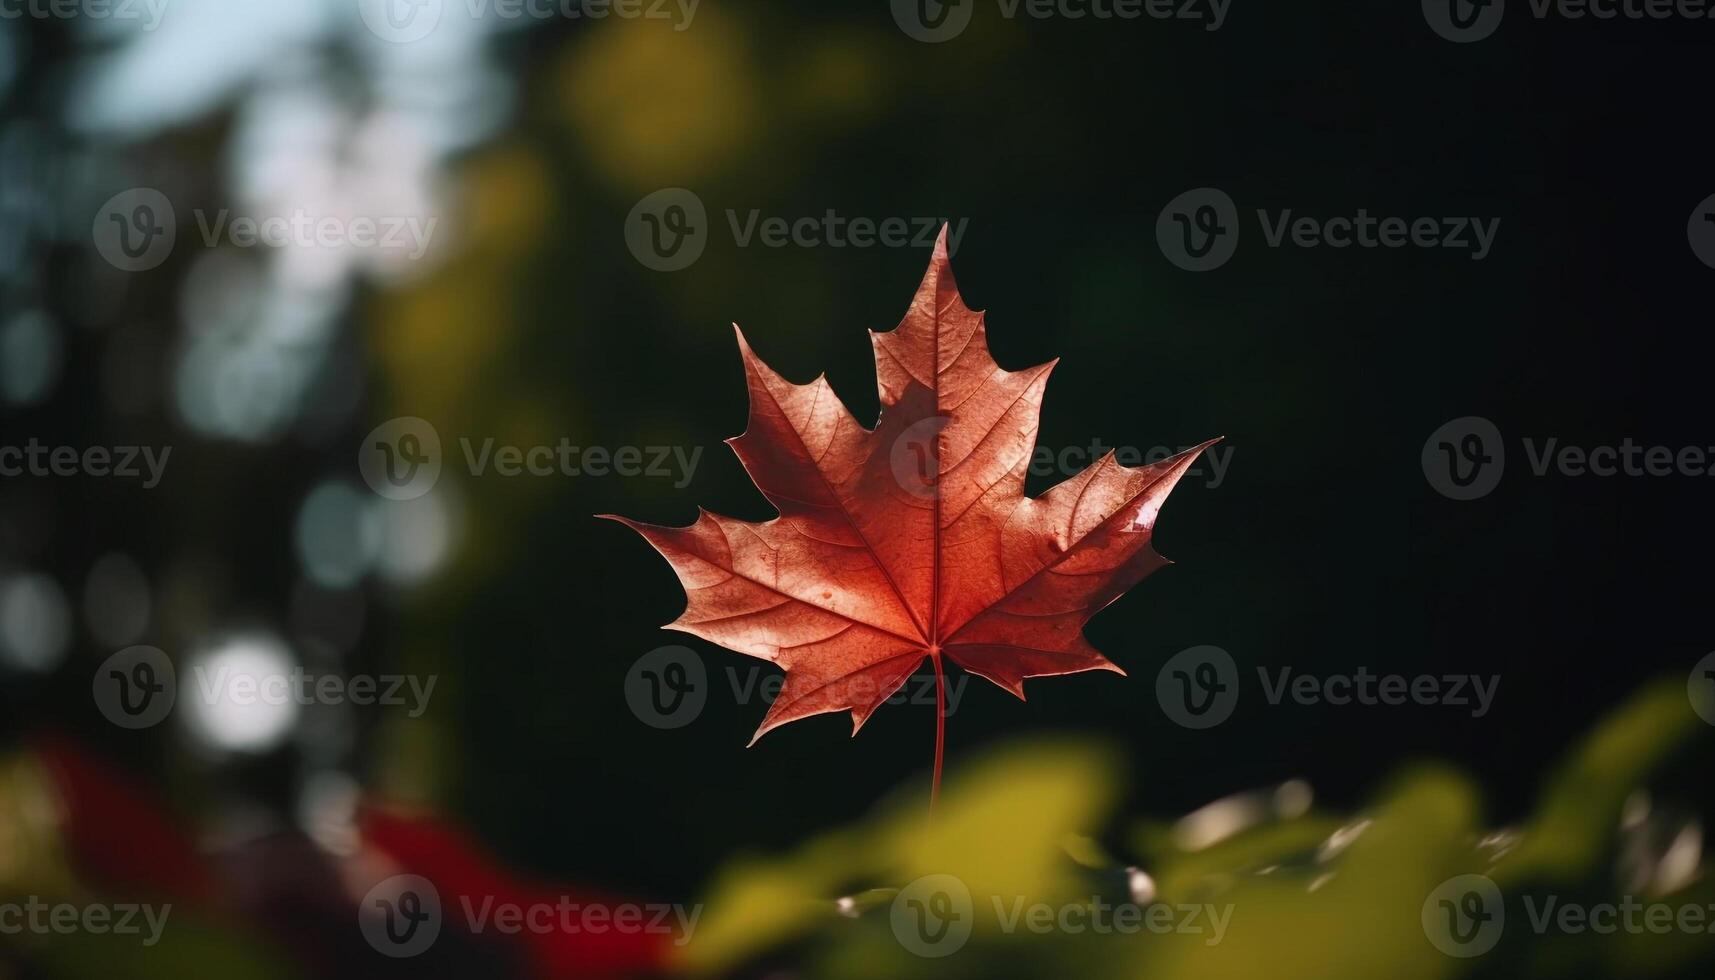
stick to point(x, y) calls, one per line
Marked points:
point(1308, 894)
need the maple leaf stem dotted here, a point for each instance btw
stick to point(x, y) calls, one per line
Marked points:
point(940, 729)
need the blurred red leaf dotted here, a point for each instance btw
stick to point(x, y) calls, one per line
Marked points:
point(117, 833)
point(462, 872)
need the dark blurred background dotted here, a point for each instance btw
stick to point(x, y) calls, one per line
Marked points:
point(1053, 144)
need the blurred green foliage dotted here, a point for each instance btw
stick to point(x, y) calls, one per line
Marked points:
point(1306, 894)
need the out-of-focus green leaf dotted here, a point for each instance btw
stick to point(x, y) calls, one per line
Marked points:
point(1580, 808)
point(1000, 828)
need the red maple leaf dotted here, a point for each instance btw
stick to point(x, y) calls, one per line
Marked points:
point(914, 539)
